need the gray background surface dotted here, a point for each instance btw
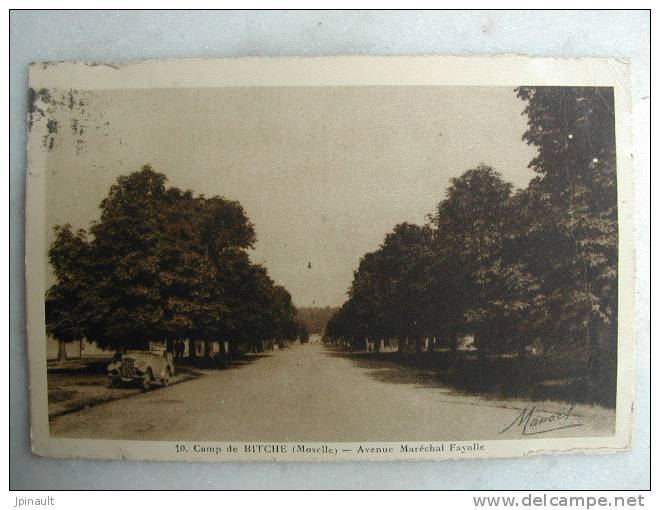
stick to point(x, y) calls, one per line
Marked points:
point(121, 36)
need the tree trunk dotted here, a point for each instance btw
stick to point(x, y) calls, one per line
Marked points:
point(594, 354)
point(478, 343)
point(453, 339)
point(61, 351)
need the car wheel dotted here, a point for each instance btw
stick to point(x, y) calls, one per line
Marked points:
point(165, 381)
point(146, 380)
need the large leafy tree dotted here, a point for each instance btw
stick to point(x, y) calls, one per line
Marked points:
point(248, 292)
point(283, 317)
point(365, 314)
point(66, 310)
point(470, 231)
point(516, 305)
point(344, 326)
point(193, 304)
point(573, 129)
point(406, 258)
point(388, 296)
point(224, 233)
point(370, 297)
point(128, 305)
point(162, 265)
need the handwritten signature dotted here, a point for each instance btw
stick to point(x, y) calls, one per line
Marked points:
point(532, 423)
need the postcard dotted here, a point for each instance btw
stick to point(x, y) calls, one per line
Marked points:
point(330, 259)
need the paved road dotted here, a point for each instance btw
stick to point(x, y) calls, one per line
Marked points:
point(312, 393)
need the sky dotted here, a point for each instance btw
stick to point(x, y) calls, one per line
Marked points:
point(322, 172)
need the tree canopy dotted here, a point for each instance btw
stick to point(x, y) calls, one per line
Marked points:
point(514, 268)
point(163, 265)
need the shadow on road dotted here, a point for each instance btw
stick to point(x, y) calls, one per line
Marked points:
point(539, 378)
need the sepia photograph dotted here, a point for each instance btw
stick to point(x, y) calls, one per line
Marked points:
point(329, 259)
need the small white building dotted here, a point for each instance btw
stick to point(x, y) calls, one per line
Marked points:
point(77, 349)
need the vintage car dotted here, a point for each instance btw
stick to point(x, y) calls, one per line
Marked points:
point(142, 367)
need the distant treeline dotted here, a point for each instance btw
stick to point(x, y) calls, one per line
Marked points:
point(164, 265)
point(532, 269)
point(315, 318)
